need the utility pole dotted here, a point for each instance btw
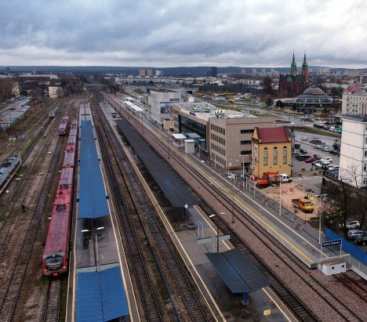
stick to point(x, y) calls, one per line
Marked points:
point(280, 197)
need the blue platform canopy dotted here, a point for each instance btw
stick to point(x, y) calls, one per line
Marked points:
point(92, 195)
point(238, 271)
point(100, 296)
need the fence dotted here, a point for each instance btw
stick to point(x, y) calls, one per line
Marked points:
point(354, 250)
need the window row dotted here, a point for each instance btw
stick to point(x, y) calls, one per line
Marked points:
point(246, 131)
point(219, 160)
point(218, 139)
point(247, 152)
point(218, 149)
point(217, 129)
point(245, 142)
point(275, 156)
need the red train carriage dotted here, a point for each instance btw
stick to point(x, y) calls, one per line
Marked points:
point(64, 126)
point(56, 251)
point(69, 155)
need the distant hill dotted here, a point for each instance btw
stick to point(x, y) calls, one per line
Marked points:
point(194, 71)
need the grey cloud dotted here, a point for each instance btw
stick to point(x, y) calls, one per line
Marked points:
point(190, 32)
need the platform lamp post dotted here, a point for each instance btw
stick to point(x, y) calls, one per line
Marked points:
point(320, 218)
point(186, 206)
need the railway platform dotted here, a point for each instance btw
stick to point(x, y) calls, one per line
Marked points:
point(98, 283)
point(264, 300)
point(305, 248)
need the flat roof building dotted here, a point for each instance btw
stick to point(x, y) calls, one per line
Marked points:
point(225, 134)
point(353, 151)
point(160, 103)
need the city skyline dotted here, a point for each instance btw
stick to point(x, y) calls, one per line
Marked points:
point(196, 33)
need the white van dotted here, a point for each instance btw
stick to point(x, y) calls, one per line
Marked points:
point(284, 178)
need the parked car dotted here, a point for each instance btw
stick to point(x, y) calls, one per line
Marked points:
point(354, 234)
point(325, 161)
point(319, 147)
point(361, 240)
point(311, 159)
point(283, 177)
point(302, 151)
point(326, 148)
point(317, 164)
point(316, 142)
point(332, 167)
point(301, 157)
point(354, 224)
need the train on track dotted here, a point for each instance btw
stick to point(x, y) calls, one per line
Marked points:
point(64, 126)
point(8, 168)
point(56, 251)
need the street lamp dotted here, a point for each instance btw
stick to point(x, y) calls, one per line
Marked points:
point(186, 206)
point(320, 217)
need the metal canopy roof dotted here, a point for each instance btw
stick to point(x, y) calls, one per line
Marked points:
point(172, 185)
point(100, 296)
point(238, 271)
point(92, 196)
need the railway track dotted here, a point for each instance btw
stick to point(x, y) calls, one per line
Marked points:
point(52, 308)
point(331, 303)
point(21, 245)
point(166, 289)
point(358, 287)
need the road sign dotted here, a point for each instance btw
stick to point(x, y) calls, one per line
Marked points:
point(330, 243)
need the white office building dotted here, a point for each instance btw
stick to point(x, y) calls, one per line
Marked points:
point(354, 101)
point(160, 103)
point(55, 91)
point(353, 151)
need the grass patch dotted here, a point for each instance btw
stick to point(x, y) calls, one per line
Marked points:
point(316, 131)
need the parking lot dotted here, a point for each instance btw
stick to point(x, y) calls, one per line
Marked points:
point(306, 147)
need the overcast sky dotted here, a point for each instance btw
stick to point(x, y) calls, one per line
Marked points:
point(183, 32)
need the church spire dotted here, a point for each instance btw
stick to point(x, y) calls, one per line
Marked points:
point(293, 66)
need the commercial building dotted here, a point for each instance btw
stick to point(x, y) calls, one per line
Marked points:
point(55, 91)
point(271, 151)
point(354, 101)
point(225, 135)
point(146, 72)
point(353, 151)
point(160, 103)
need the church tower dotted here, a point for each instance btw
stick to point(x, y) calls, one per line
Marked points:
point(293, 66)
point(305, 69)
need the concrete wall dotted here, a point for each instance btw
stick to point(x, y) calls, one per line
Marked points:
point(236, 152)
point(157, 99)
point(353, 152)
point(354, 104)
